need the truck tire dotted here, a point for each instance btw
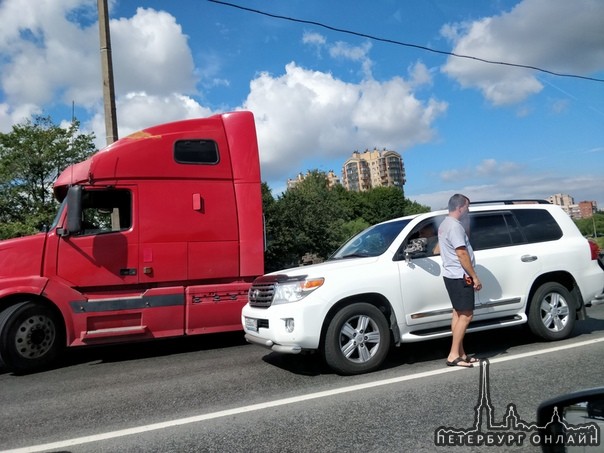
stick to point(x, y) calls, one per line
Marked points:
point(31, 337)
point(357, 339)
point(551, 314)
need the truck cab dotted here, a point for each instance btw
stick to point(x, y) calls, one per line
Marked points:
point(160, 234)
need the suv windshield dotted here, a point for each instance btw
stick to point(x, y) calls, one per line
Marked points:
point(371, 242)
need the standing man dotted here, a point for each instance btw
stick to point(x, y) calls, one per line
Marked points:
point(459, 275)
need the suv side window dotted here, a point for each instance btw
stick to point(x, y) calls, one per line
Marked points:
point(504, 228)
point(538, 225)
point(489, 230)
point(428, 229)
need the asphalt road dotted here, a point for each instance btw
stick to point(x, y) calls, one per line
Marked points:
point(217, 394)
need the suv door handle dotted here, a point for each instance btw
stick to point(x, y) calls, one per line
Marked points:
point(528, 258)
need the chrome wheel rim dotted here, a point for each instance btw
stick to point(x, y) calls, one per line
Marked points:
point(35, 336)
point(554, 312)
point(359, 339)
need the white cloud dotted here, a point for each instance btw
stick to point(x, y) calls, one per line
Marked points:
point(420, 75)
point(140, 110)
point(11, 115)
point(210, 67)
point(48, 58)
point(358, 54)
point(304, 114)
point(313, 38)
point(556, 35)
point(151, 54)
point(45, 55)
point(490, 167)
point(493, 180)
point(300, 114)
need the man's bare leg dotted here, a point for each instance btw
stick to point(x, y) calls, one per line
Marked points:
point(459, 324)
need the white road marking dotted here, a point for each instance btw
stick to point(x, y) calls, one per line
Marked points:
point(282, 402)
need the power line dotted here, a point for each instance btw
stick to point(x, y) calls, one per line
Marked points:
point(405, 44)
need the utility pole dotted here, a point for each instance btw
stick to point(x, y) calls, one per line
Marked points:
point(107, 73)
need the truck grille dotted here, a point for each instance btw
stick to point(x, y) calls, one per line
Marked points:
point(261, 294)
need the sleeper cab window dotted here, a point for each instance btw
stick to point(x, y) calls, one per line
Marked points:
point(196, 152)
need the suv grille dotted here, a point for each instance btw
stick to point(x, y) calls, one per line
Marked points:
point(263, 289)
point(261, 294)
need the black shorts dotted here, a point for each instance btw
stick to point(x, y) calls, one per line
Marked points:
point(460, 293)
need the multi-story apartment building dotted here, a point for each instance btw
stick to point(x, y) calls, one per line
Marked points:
point(332, 179)
point(582, 210)
point(291, 183)
point(374, 168)
point(587, 209)
point(564, 201)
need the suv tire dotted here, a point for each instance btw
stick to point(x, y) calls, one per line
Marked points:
point(357, 339)
point(551, 314)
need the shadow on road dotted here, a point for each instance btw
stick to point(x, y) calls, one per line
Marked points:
point(145, 349)
point(487, 345)
point(153, 348)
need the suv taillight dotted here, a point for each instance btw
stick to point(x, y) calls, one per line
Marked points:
point(594, 249)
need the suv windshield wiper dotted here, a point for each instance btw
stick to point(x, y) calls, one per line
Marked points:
point(355, 255)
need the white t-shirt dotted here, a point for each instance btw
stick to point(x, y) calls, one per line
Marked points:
point(451, 235)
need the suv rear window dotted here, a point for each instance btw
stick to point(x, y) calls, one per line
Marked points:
point(538, 225)
point(505, 228)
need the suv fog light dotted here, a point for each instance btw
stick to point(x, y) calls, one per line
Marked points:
point(289, 324)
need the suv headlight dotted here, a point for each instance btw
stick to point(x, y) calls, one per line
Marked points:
point(295, 290)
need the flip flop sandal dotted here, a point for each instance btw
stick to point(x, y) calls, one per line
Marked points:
point(457, 362)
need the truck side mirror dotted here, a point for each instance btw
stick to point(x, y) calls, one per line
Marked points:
point(74, 209)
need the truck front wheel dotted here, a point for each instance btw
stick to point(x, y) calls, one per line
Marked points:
point(30, 337)
point(357, 339)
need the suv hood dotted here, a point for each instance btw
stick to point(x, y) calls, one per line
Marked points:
point(329, 267)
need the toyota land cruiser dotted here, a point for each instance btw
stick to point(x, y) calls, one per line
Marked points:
point(384, 286)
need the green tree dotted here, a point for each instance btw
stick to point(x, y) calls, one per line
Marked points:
point(315, 219)
point(382, 203)
point(593, 227)
point(413, 207)
point(303, 220)
point(32, 155)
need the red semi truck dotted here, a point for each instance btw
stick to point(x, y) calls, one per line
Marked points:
point(160, 234)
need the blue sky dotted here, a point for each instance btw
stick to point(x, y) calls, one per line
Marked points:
point(488, 131)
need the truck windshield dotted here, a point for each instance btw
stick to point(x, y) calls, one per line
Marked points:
point(371, 242)
point(58, 215)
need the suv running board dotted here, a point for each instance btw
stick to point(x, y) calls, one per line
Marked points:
point(475, 326)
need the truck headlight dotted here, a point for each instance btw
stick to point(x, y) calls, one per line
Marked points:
point(293, 291)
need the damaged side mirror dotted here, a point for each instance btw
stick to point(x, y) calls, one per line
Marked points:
point(416, 248)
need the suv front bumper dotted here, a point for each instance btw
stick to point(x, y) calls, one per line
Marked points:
point(289, 328)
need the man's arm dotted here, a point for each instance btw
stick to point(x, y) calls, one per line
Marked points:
point(466, 263)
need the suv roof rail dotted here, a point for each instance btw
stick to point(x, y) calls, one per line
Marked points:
point(518, 201)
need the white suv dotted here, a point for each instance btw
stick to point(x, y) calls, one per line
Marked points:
point(384, 286)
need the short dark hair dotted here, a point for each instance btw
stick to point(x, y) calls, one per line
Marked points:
point(457, 201)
